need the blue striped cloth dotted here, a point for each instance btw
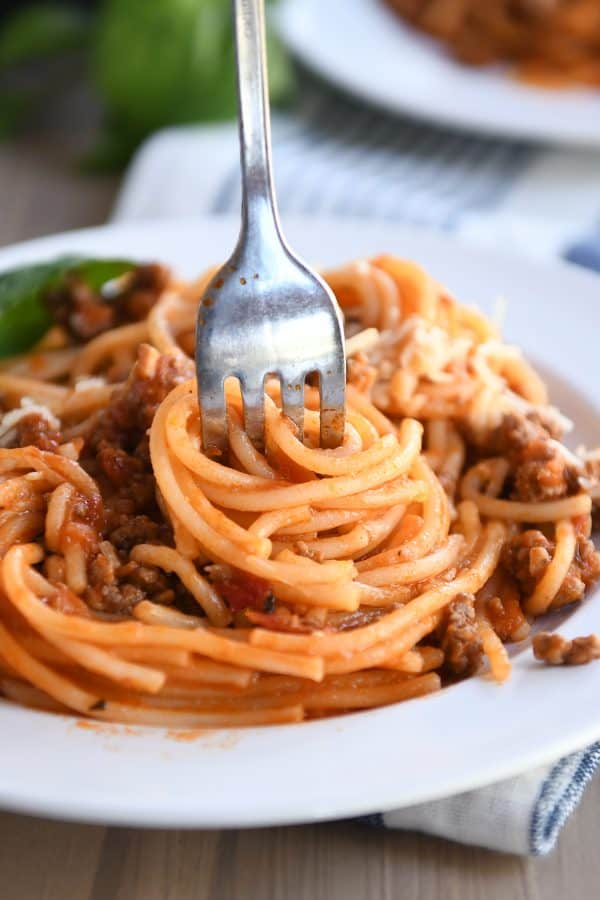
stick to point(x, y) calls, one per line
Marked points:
point(336, 157)
point(523, 815)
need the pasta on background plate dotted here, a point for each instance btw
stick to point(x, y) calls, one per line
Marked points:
point(550, 43)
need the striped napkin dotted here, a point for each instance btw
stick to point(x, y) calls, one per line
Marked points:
point(335, 157)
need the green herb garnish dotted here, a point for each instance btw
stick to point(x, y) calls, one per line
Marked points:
point(24, 318)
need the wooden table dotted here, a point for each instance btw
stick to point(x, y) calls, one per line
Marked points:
point(42, 191)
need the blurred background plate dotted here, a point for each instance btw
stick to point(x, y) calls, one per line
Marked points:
point(362, 47)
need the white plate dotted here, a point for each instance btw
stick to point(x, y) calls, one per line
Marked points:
point(363, 47)
point(465, 736)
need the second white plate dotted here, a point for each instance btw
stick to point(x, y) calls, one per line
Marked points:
point(366, 49)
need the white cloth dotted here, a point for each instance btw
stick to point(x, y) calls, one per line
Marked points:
point(336, 158)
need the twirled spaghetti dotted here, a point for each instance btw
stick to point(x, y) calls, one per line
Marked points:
point(143, 581)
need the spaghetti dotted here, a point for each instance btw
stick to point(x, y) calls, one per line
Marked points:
point(552, 43)
point(145, 582)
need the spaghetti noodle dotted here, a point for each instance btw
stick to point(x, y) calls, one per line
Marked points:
point(145, 582)
point(552, 43)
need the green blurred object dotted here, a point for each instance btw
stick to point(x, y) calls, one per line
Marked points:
point(13, 109)
point(41, 30)
point(24, 318)
point(167, 62)
point(154, 63)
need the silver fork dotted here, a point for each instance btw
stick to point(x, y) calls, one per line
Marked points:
point(265, 312)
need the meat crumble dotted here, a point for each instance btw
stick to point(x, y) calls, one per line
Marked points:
point(117, 454)
point(86, 313)
point(35, 430)
point(539, 469)
point(555, 650)
point(360, 373)
point(461, 641)
point(527, 556)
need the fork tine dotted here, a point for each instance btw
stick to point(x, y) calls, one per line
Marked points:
point(332, 387)
point(292, 400)
point(214, 412)
point(253, 394)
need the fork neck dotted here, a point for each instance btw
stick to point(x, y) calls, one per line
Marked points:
point(259, 208)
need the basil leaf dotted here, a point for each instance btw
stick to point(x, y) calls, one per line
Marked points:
point(97, 272)
point(24, 319)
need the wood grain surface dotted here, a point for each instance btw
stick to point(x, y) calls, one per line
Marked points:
point(42, 190)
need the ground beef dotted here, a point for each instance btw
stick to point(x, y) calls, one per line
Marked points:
point(591, 463)
point(359, 373)
point(150, 579)
point(115, 586)
point(85, 313)
point(556, 650)
point(460, 641)
point(117, 455)
point(129, 415)
point(35, 430)
point(133, 530)
point(119, 466)
point(117, 451)
point(527, 556)
point(584, 570)
point(114, 598)
point(591, 480)
point(539, 470)
point(541, 479)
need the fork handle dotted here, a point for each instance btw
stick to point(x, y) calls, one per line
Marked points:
point(259, 209)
